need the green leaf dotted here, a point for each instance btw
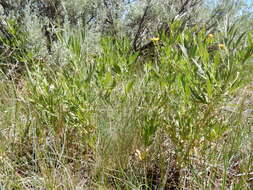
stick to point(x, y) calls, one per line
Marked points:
point(248, 53)
point(107, 80)
point(184, 50)
point(209, 88)
point(250, 40)
point(129, 87)
point(240, 39)
point(197, 96)
point(116, 68)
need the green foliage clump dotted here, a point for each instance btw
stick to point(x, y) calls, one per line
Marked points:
point(14, 48)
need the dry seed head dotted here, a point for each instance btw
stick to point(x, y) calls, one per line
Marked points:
point(141, 155)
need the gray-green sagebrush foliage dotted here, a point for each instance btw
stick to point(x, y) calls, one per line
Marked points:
point(137, 19)
point(42, 23)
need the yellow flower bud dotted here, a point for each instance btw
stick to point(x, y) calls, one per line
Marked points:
point(210, 36)
point(154, 39)
point(221, 46)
